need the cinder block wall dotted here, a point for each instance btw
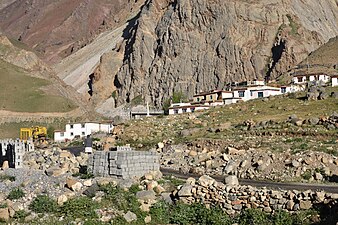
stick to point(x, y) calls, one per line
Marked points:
point(123, 164)
point(19, 147)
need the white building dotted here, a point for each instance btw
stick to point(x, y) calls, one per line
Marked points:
point(315, 77)
point(254, 92)
point(179, 108)
point(334, 80)
point(244, 91)
point(81, 130)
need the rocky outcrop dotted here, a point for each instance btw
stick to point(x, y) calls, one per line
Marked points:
point(194, 45)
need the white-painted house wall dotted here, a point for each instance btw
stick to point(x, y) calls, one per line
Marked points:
point(334, 81)
point(82, 130)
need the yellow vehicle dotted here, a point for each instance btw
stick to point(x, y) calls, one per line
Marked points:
point(36, 133)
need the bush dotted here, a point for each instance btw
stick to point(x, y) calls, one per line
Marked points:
point(253, 217)
point(7, 177)
point(20, 215)
point(16, 193)
point(43, 204)
point(282, 218)
point(81, 207)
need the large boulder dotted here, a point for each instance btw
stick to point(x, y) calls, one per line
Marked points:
point(206, 181)
point(231, 181)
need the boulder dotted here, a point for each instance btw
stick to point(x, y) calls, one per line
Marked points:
point(231, 181)
point(146, 195)
point(130, 217)
point(304, 205)
point(5, 165)
point(73, 184)
point(185, 191)
point(4, 214)
point(206, 181)
point(147, 219)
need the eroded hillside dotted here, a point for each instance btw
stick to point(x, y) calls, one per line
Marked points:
point(59, 28)
point(193, 45)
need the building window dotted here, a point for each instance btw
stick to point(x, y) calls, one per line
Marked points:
point(71, 126)
point(192, 109)
point(175, 111)
point(260, 94)
point(210, 97)
point(83, 133)
point(283, 90)
point(184, 110)
point(251, 93)
point(300, 79)
point(71, 134)
point(18, 157)
point(82, 126)
point(198, 99)
point(62, 134)
point(241, 94)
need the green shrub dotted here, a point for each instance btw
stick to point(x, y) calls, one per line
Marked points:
point(20, 215)
point(123, 200)
point(16, 193)
point(253, 217)
point(3, 205)
point(7, 177)
point(160, 213)
point(81, 207)
point(43, 204)
point(282, 218)
point(307, 175)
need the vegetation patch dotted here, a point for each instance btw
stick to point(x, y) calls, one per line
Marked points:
point(16, 193)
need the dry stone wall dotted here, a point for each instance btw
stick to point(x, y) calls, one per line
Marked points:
point(233, 198)
point(125, 164)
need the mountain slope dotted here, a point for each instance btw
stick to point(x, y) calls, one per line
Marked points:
point(59, 28)
point(194, 45)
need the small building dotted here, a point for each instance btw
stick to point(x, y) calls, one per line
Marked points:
point(179, 108)
point(81, 130)
point(254, 92)
point(334, 80)
point(313, 77)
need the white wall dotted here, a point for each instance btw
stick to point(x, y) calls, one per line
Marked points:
point(334, 81)
point(82, 130)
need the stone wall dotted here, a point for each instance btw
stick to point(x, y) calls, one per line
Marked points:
point(125, 163)
point(233, 197)
point(13, 151)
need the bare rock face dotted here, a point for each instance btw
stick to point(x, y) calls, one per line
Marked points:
point(195, 45)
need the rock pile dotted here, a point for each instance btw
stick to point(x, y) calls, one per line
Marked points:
point(55, 162)
point(250, 163)
point(233, 198)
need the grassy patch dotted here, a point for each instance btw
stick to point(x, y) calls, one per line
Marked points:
point(21, 93)
point(7, 177)
point(16, 193)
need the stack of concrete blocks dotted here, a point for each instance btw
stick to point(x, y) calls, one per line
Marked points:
point(19, 147)
point(123, 164)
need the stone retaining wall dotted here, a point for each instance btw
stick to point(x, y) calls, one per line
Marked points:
point(235, 198)
point(13, 151)
point(125, 164)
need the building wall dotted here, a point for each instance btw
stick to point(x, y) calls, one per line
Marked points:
point(81, 130)
point(334, 81)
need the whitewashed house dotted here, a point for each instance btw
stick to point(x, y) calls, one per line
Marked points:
point(81, 130)
point(314, 77)
point(254, 92)
point(179, 108)
point(334, 80)
point(243, 91)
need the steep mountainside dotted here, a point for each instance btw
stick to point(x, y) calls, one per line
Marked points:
point(58, 28)
point(195, 45)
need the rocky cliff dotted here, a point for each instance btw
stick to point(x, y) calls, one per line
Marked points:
point(196, 45)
